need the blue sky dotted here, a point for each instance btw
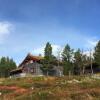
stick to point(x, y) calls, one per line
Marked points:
point(26, 25)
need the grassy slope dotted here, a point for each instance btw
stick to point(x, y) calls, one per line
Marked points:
point(50, 88)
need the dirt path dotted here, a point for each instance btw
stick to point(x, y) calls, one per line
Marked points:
point(15, 91)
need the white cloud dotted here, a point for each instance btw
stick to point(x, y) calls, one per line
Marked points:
point(91, 43)
point(89, 52)
point(5, 29)
point(89, 46)
point(55, 49)
point(38, 51)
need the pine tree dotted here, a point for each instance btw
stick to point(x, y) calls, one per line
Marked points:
point(6, 65)
point(48, 59)
point(78, 61)
point(48, 52)
point(67, 60)
point(97, 53)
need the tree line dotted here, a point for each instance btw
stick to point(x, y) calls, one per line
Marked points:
point(6, 65)
point(72, 61)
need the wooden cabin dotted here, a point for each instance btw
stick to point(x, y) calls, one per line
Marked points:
point(32, 65)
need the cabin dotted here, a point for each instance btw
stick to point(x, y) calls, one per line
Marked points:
point(31, 65)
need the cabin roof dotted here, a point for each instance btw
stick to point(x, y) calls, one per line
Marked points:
point(31, 57)
point(15, 71)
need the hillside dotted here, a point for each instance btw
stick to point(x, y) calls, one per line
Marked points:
point(50, 88)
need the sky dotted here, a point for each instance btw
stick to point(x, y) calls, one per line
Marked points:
point(27, 25)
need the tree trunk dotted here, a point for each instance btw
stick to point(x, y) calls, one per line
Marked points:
point(69, 73)
point(83, 70)
point(47, 73)
point(91, 69)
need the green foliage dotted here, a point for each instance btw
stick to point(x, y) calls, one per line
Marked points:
point(49, 59)
point(78, 61)
point(6, 65)
point(48, 52)
point(77, 57)
point(97, 53)
point(67, 53)
point(6, 91)
point(43, 95)
point(67, 60)
point(67, 68)
point(47, 68)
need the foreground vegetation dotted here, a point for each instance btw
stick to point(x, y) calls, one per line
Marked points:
point(50, 88)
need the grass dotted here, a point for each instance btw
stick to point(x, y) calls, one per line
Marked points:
point(50, 88)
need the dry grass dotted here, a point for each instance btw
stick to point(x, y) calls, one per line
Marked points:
point(50, 88)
